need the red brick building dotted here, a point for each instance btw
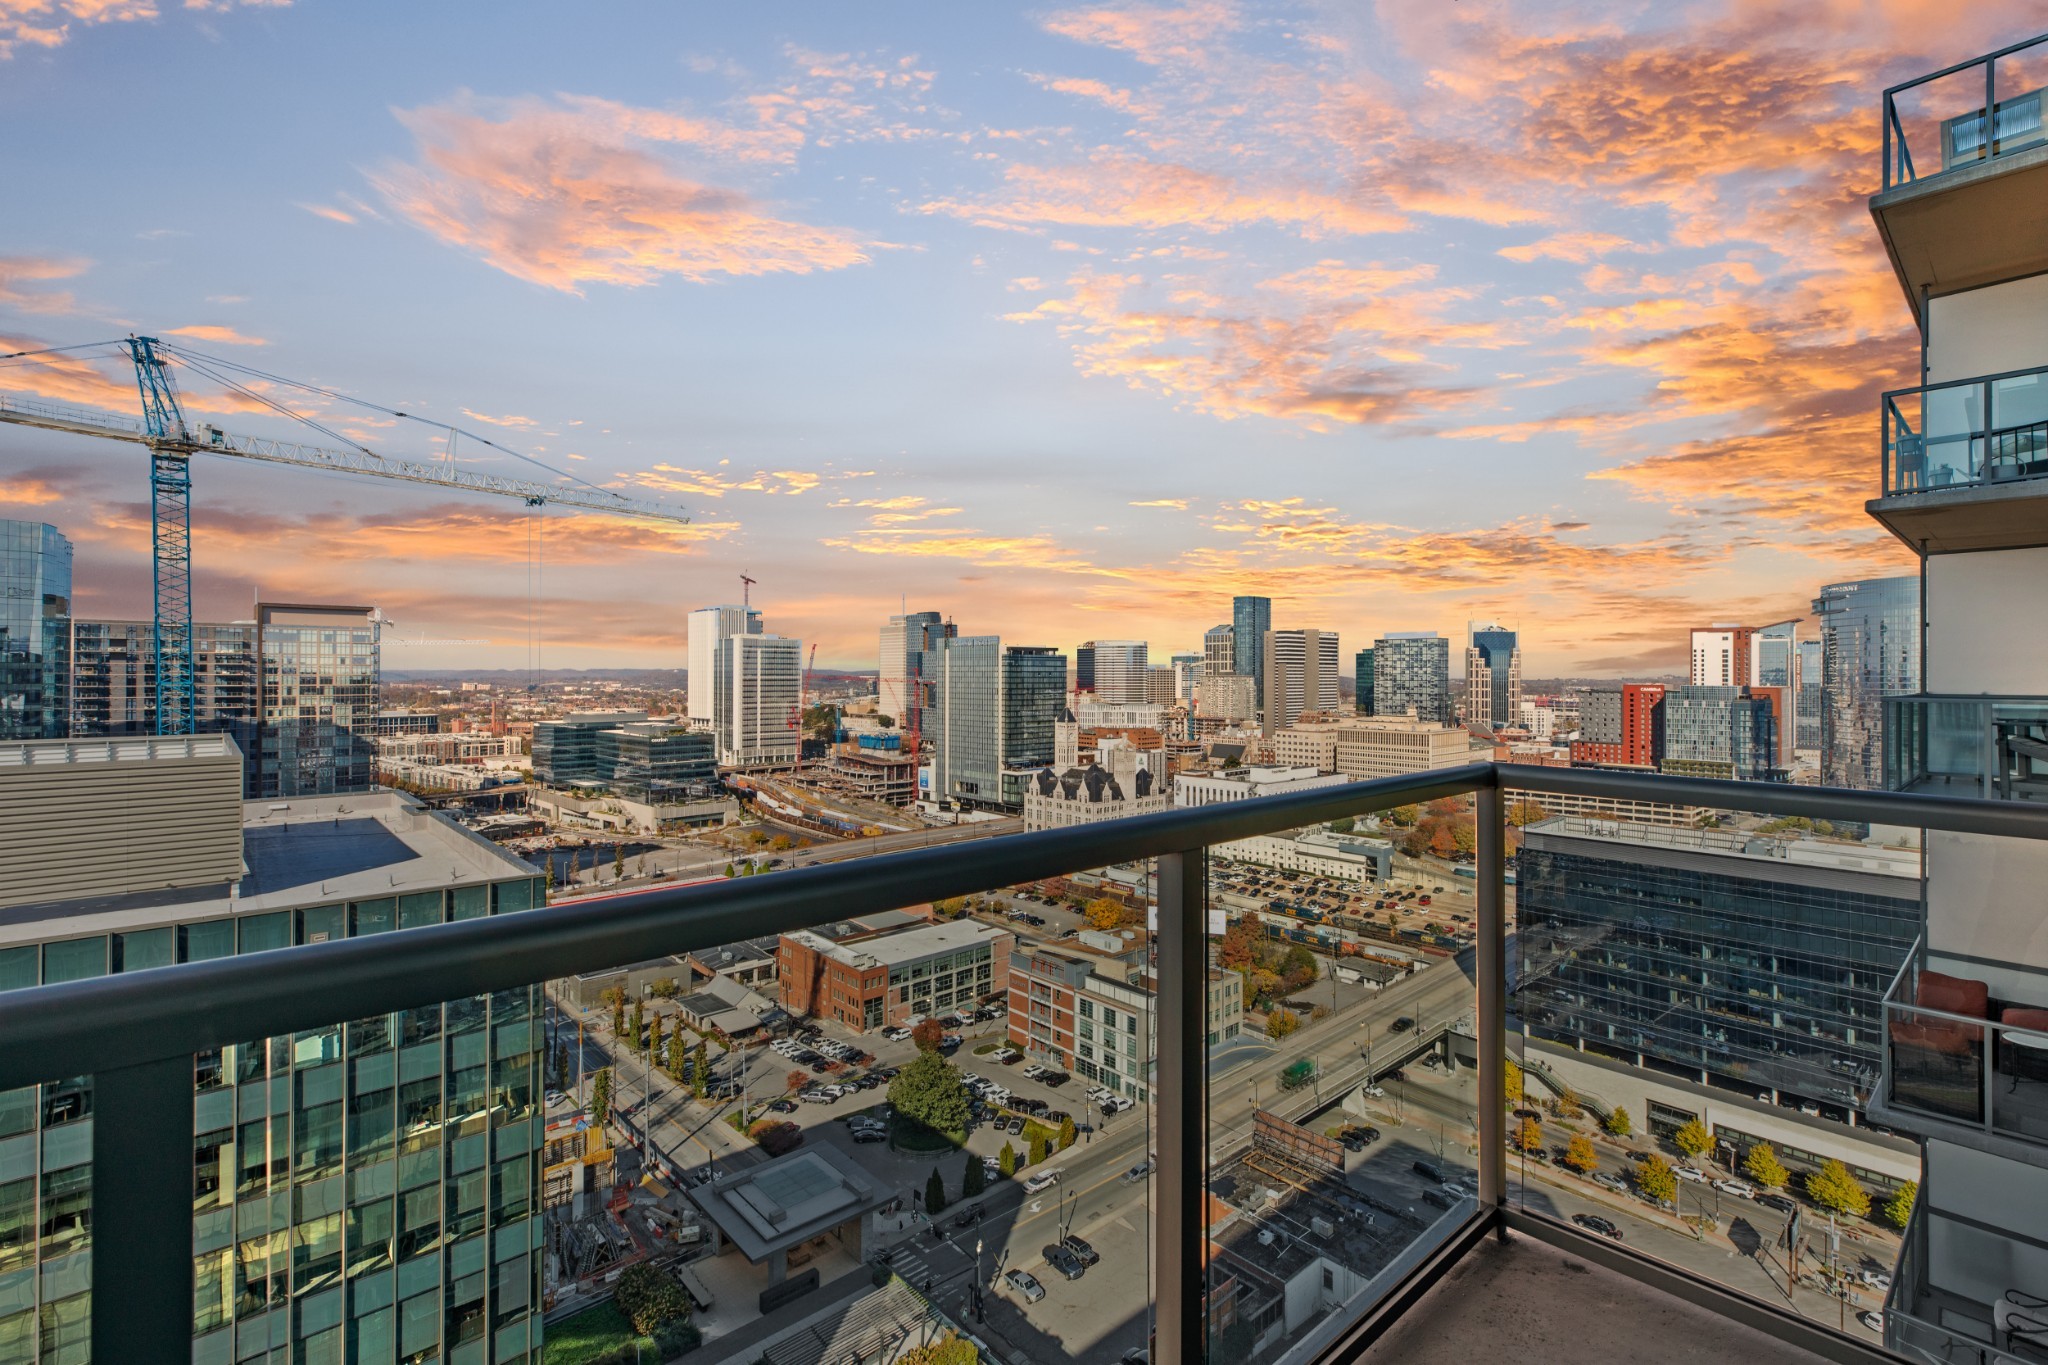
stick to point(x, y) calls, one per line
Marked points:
point(1642, 732)
point(875, 980)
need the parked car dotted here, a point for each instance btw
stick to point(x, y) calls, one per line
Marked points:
point(1064, 1261)
point(1876, 1279)
point(1026, 1284)
point(1055, 1079)
point(1007, 1056)
point(1692, 1173)
point(1777, 1203)
point(1610, 1182)
point(1083, 1252)
point(1025, 1104)
point(1116, 1104)
point(1439, 1197)
point(1593, 1222)
point(1040, 1183)
point(896, 1035)
point(869, 1135)
point(1055, 1117)
point(1034, 1071)
point(1015, 1125)
point(1741, 1189)
point(781, 1107)
point(1429, 1170)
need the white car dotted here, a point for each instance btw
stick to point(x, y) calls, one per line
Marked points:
point(1876, 1279)
point(1040, 1183)
point(1741, 1189)
point(1372, 1090)
point(1116, 1104)
point(1033, 1072)
point(1098, 1094)
point(1695, 1175)
point(896, 1035)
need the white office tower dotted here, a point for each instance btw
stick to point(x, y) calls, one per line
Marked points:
point(709, 625)
point(1963, 216)
point(759, 701)
point(1301, 675)
point(1115, 671)
point(1723, 655)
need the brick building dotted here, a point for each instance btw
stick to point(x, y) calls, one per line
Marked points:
point(872, 981)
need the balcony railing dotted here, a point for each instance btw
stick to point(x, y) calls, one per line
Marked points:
point(1955, 1054)
point(1994, 748)
point(1943, 114)
point(136, 1033)
point(1992, 429)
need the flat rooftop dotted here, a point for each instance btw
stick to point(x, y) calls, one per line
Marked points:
point(1762, 849)
point(789, 1200)
point(907, 945)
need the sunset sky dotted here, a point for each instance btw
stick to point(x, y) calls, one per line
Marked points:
point(1068, 322)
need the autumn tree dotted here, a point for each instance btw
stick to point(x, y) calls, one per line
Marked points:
point(1617, 1122)
point(1068, 1132)
point(1529, 1136)
point(1403, 817)
point(795, 1080)
point(928, 1034)
point(1104, 914)
point(601, 1099)
point(1239, 950)
point(1567, 1104)
point(1655, 1179)
point(1834, 1189)
point(700, 1066)
point(1579, 1154)
point(1761, 1164)
point(1006, 1161)
point(1281, 1022)
point(1511, 1083)
point(1899, 1207)
point(639, 1027)
point(1525, 812)
point(1693, 1139)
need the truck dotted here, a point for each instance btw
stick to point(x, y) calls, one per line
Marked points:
point(1298, 1075)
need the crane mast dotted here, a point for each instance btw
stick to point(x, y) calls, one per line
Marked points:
point(170, 538)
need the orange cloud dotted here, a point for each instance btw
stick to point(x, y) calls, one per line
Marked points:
point(226, 336)
point(561, 198)
point(20, 277)
point(48, 23)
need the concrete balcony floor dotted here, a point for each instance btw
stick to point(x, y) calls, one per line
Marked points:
point(1530, 1302)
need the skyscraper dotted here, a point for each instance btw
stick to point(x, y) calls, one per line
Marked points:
point(1362, 682)
point(321, 689)
point(965, 727)
point(35, 604)
point(1219, 650)
point(1870, 650)
point(758, 700)
point(904, 641)
point(1251, 619)
point(1776, 649)
point(708, 626)
point(1493, 676)
point(1187, 676)
point(1719, 732)
point(1411, 675)
point(1723, 655)
point(1807, 717)
point(1301, 675)
point(1114, 670)
point(1034, 692)
point(113, 680)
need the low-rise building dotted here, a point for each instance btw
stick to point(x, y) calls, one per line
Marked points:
point(1318, 852)
point(872, 982)
point(1122, 781)
point(1243, 784)
point(1396, 746)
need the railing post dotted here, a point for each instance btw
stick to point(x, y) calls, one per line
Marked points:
point(1180, 1179)
point(142, 1212)
point(1490, 971)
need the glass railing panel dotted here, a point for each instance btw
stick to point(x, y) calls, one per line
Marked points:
point(1939, 125)
point(1696, 1016)
point(1343, 1116)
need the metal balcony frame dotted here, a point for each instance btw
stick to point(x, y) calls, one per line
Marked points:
point(1898, 157)
point(1895, 429)
point(135, 1033)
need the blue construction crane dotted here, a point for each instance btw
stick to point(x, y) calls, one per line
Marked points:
point(172, 442)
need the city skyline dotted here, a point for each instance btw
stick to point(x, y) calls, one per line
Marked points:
point(1648, 360)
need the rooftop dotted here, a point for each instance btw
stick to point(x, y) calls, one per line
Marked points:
point(1819, 854)
point(789, 1200)
point(907, 945)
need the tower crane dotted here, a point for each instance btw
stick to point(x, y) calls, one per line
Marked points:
point(747, 591)
point(172, 440)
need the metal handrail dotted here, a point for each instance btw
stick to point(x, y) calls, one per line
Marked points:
point(1899, 171)
point(1896, 432)
point(135, 1033)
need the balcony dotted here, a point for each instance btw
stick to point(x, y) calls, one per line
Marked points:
point(1966, 462)
point(1246, 1219)
point(1992, 748)
point(1964, 204)
point(1962, 1065)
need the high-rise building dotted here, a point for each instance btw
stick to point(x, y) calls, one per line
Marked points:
point(113, 680)
point(1187, 676)
point(758, 705)
point(1723, 655)
point(1227, 697)
point(1301, 675)
point(1034, 684)
point(1219, 650)
point(966, 731)
point(1776, 648)
point(1493, 676)
point(708, 626)
point(35, 607)
point(1621, 727)
point(1964, 487)
point(317, 734)
point(1113, 670)
point(1411, 675)
point(1719, 732)
point(1251, 620)
point(1362, 682)
point(1870, 650)
point(1808, 714)
point(904, 640)
point(1160, 684)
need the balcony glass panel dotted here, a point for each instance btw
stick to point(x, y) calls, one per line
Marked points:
point(1988, 747)
point(1971, 431)
point(1936, 125)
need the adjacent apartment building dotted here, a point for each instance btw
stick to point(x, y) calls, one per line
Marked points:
point(867, 980)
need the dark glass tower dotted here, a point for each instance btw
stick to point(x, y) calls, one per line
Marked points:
point(1870, 650)
point(1250, 619)
point(35, 612)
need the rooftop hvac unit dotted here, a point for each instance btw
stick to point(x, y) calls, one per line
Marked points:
point(2016, 123)
point(1323, 1228)
point(1265, 1237)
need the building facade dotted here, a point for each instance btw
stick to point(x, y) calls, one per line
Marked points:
point(113, 680)
point(901, 663)
point(1493, 675)
point(1723, 655)
point(1251, 620)
point(759, 702)
point(1362, 682)
point(1113, 671)
point(966, 731)
point(1411, 676)
point(1219, 650)
point(1301, 676)
point(1395, 746)
point(321, 685)
point(1720, 732)
point(1101, 791)
point(1034, 693)
point(1754, 961)
point(707, 627)
point(888, 979)
point(1870, 650)
point(35, 611)
point(1621, 727)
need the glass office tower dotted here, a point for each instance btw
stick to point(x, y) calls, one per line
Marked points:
point(1362, 678)
point(35, 610)
point(965, 732)
point(1870, 650)
point(1250, 619)
point(321, 677)
point(1411, 671)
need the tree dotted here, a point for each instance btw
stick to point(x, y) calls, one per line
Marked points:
point(1040, 1145)
point(1834, 1189)
point(1068, 1132)
point(780, 843)
point(1006, 1161)
point(1693, 1139)
point(1579, 1154)
point(1281, 1022)
point(935, 1194)
point(929, 1092)
point(1343, 825)
point(1298, 967)
point(675, 1059)
point(947, 1350)
point(795, 1081)
point(775, 1137)
point(974, 1179)
point(731, 871)
point(616, 997)
point(1511, 1083)
point(618, 861)
point(639, 1027)
point(652, 1301)
point(1899, 1207)
point(1104, 914)
point(601, 1100)
point(1655, 1179)
point(548, 879)
point(700, 1067)
point(1239, 950)
point(1529, 1136)
point(1464, 837)
point(1761, 1164)
point(1567, 1106)
point(1402, 817)
point(1525, 812)
point(1443, 839)
point(928, 1034)
point(1261, 985)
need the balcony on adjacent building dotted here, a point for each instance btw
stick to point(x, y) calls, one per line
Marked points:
point(1965, 197)
point(1966, 462)
point(1992, 748)
point(1965, 1065)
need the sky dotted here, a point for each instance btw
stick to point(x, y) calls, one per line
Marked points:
point(1069, 322)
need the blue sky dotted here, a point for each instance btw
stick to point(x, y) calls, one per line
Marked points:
point(1069, 321)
